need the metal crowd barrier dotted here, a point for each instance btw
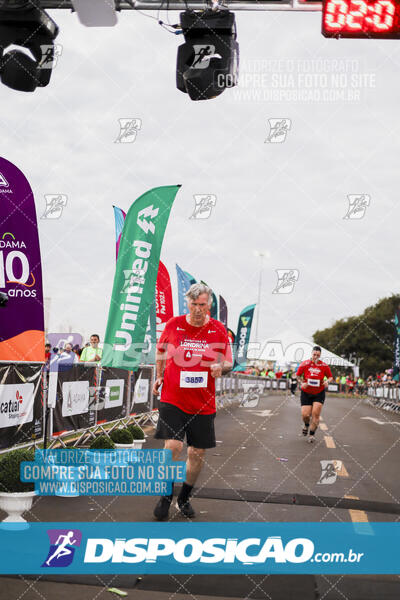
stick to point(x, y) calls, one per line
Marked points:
point(385, 391)
point(386, 397)
point(22, 401)
point(88, 399)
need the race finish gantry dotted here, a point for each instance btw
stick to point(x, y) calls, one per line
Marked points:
point(207, 61)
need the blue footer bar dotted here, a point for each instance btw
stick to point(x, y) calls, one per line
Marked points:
point(201, 548)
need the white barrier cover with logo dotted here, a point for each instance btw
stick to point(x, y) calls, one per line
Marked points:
point(141, 391)
point(16, 404)
point(75, 398)
point(115, 396)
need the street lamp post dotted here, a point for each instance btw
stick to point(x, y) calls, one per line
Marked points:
point(262, 254)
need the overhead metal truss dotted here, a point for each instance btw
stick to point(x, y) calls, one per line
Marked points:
point(242, 5)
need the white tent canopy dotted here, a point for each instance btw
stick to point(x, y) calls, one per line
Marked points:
point(290, 347)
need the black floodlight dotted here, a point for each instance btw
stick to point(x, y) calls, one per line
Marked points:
point(208, 61)
point(31, 28)
point(3, 300)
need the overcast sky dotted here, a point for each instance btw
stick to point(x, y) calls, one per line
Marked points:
point(288, 199)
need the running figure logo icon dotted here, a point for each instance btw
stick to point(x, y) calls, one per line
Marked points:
point(203, 53)
point(357, 206)
point(128, 129)
point(55, 204)
point(329, 471)
point(132, 277)
point(50, 55)
point(204, 204)
point(278, 129)
point(251, 395)
point(63, 543)
point(286, 281)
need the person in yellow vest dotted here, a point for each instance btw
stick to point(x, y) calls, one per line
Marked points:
point(92, 353)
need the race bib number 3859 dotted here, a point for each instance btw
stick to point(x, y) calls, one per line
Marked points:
point(194, 379)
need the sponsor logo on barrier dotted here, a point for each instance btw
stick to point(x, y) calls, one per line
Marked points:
point(63, 543)
point(141, 392)
point(75, 398)
point(16, 404)
point(116, 393)
point(333, 387)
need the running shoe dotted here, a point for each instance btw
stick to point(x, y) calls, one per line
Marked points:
point(311, 439)
point(162, 508)
point(186, 509)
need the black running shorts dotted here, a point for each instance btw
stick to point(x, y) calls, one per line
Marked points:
point(174, 424)
point(308, 399)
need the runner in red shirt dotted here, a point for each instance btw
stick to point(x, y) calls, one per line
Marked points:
point(313, 373)
point(193, 350)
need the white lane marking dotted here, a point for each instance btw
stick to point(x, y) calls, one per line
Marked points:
point(378, 422)
point(359, 516)
point(261, 413)
point(341, 469)
point(329, 441)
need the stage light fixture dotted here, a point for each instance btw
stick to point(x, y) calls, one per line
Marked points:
point(208, 61)
point(28, 27)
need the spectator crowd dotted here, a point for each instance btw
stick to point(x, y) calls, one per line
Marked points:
point(348, 383)
point(69, 355)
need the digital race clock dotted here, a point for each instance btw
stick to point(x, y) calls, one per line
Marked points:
point(361, 18)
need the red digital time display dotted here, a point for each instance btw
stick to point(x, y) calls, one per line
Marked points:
point(361, 18)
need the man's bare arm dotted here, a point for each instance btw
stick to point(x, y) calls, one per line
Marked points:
point(160, 367)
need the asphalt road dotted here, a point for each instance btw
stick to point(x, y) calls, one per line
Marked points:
point(262, 469)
